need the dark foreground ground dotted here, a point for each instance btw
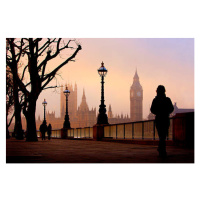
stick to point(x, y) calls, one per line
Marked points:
point(85, 151)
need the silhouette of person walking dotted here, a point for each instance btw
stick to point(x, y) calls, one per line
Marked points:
point(162, 107)
point(49, 131)
point(43, 129)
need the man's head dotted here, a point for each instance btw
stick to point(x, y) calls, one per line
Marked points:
point(160, 90)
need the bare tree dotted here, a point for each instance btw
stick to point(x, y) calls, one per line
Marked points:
point(12, 61)
point(9, 98)
point(38, 52)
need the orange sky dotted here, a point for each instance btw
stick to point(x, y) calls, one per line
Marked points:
point(169, 62)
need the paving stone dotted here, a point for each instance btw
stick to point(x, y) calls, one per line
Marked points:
point(89, 151)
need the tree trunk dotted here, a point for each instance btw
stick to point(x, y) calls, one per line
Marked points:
point(31, 123)
point(19, 134)
point(7, 131)
point(18, 124)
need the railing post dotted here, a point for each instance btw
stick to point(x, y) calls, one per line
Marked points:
point(132, 130)
point(98, 132)
point(168, 129)
point(172, 128)
point(183, 129)
point(116, 131)
point(109, 131)
point(142, 130)
point(89, 132)
point(124, 131)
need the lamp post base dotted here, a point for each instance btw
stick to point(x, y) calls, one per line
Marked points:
point(98, 132)
point(102, 118)
point(64, 132)
point(66, 124)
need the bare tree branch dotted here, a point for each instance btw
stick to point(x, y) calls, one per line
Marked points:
point(24, 72)
point(64, 63)
point(50, 87)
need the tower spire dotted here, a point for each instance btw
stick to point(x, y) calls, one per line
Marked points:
point(136, 77)
point(83, 93)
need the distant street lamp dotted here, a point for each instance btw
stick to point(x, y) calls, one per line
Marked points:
point(44, 104)
point(102, 117)
point(66, 124)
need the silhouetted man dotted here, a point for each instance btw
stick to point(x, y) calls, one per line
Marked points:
point(49, 131)
point(43, 129)
point(162, 107)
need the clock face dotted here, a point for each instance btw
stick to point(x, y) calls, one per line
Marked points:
point(138, 94)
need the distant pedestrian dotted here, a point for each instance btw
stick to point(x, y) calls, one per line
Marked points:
point(162, 107)
point(49, 131)
point(43, 129)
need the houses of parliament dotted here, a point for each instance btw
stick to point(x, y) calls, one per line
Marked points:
point(82, 116)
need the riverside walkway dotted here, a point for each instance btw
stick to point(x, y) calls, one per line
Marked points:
point(89, 151)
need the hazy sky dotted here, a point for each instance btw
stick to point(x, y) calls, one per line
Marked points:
point(169, 62)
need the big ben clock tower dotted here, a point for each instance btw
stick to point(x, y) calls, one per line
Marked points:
point(136, 98)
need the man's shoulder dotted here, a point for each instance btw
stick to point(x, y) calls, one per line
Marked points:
point(168, 98)
point(154, 99)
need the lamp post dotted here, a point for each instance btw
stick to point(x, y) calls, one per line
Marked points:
point(66, 124)
point(44, 103)
point(102, 117)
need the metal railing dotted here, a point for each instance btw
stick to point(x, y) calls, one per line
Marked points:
point(135, 130)
point(142, 130)
point(55, 133)
point(132, 130)
point(86, 132)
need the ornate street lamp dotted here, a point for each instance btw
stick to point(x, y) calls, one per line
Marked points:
point(44, 103)
point(102, 117)
point(66, 124)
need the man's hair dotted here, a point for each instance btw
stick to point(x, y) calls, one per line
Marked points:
point(160, 89)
